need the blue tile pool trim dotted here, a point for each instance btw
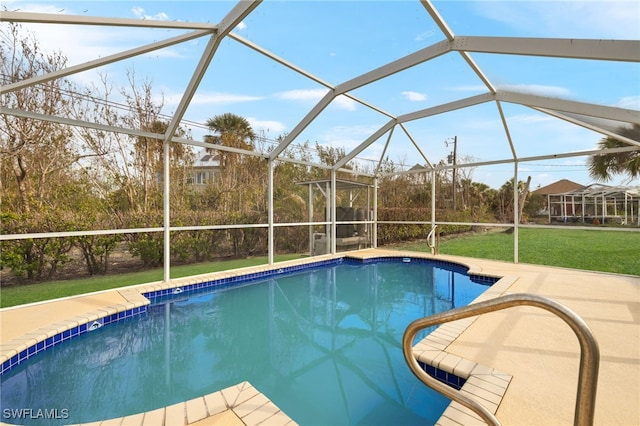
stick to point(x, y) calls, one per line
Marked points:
point(161, 296)
point(452, 266)
point(183, 292)
point(442, 376)
point(65, 335)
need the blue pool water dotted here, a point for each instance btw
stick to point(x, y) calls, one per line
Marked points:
point(324, 345)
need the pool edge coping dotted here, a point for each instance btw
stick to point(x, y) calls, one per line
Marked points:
point(245, 401)
point(485, 384)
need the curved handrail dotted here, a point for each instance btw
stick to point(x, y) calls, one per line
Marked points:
point(433, 247)
point(589, 351)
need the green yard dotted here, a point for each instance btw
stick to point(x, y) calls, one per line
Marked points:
point(18, 295)
point(606, 251)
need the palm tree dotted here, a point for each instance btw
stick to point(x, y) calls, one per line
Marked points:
point(241, 177)
point(231, 130)
point(603, 167)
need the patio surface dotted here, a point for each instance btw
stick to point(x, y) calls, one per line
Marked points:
point(538, 350)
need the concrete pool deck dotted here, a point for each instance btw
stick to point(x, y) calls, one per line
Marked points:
point(537, 351)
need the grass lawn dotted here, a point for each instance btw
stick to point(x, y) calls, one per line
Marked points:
point(605, 251)
point(21, 294)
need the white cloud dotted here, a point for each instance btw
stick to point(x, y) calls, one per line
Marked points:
point(241, 26)
point(302, 95)
point(342, 102)
point(629, 102)
point(414, 96)
point(268, 126)
point(537, 89)
point(139, 13)
point(588, 19)
point(79, 43)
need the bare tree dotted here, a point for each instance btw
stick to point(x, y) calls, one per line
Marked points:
point(35, 154)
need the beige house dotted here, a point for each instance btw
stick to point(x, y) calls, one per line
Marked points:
point(204, 169)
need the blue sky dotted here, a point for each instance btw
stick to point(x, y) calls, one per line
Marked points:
point(339, 40)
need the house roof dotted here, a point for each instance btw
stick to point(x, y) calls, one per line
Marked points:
point(207, 160)
point(559, 187)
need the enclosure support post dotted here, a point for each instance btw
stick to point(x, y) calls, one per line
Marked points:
point(327, 216)
point(374, 227)
point(516, 209)
point(270, 215)
point(311, 253)
point(433, 204)
point(368, 215)
point(167, 211)
point(333, 212)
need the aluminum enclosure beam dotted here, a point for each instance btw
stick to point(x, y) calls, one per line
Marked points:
point(235, 16)
point(103, 61)
point(357, 150)
point(391, 68)
point(605, 50)
point(311, 115)
point(394, 67)
point(300, 71)
point(450, 106)
point(422, 154)
point(433, 12)
point(557, 104)
point(130, 132)
point(520, 160)
point(507, 133)
point(49, 18)
point(589, 126)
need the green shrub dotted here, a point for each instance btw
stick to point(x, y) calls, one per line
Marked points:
point(34, 259)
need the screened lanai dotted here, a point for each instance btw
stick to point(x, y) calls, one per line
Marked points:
point(505, 90)
point(596, 203)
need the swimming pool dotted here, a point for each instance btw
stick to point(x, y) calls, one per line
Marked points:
point(323, 344)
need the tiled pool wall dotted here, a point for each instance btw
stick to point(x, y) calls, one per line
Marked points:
point(68, 334)
point(443, 376)
point(184, 291)
point(452, 266)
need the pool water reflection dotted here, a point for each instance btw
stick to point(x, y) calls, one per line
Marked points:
point(324, 345)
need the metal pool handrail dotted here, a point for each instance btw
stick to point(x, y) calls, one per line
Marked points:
point(430, 237)
point(589, 352)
